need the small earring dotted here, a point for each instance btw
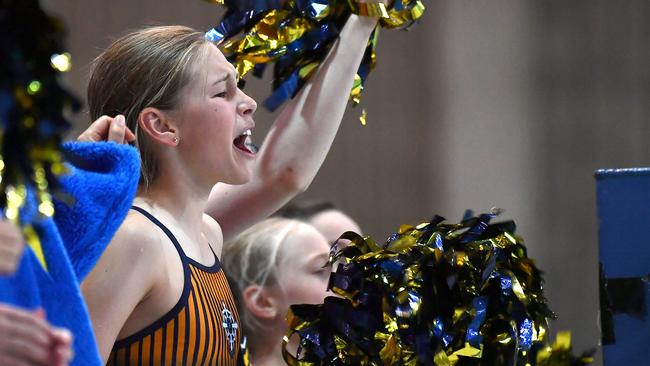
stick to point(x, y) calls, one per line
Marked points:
point(176, 140)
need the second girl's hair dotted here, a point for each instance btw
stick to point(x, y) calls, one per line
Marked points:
point(304, 211)
point(252, 258)
point(145, 68)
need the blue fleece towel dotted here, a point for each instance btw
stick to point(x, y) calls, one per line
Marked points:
point(102, 182)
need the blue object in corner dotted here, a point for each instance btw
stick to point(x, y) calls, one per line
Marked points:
point(623, 197)
point(102, 182)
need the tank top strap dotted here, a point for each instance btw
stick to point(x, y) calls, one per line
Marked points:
point(164, 228)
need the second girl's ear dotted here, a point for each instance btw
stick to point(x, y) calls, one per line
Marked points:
point(259, 303)
point(158, 126)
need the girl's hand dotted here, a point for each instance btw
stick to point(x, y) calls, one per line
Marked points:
point(27, 339)
point(106, 128)
point(11, 247)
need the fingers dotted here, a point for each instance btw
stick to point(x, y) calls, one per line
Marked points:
point(21, 323)
point(106, 128)
point(123, 135)
point(9, 230)
point(9, 259)
point(129, 136)
point(97, 130)
point(25, 352)
point(62, 336)
point(62, 352)
point(116, 130)
point(62, 356)
point(39, 313)
point(11, 247)
point(27, 339)
point(24, 338)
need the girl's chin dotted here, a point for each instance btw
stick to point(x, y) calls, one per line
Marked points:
point(242, 177)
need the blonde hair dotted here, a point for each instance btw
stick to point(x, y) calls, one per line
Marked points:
point(252, 259)
point(145, 68)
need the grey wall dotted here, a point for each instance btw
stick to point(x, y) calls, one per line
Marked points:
point(486, 103)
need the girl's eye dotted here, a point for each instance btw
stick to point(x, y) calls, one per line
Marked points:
point(323, 271)
point(221, 95)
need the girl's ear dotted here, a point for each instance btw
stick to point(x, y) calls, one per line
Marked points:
point(158, 126)
point(260, 302)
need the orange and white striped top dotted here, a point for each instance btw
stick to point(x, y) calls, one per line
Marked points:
point(201, 329)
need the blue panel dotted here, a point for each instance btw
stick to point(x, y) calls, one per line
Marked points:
point(623, 197)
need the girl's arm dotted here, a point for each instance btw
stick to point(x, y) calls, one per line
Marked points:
point(299, 139)
point(123, 276)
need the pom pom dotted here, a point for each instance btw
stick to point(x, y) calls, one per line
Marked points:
point(32, 105)
point(434, 294)
point(296, 36)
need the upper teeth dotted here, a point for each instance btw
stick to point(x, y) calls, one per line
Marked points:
point(247, 133)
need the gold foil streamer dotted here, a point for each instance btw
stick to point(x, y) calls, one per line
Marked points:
point(34, 243)
point(266, 41)
point(34, 87)
point(16, 197)
point(61, 62)
point(15, 200)
point(45, 206)
point(441, 359)
point(2, 168)
point(357, 88)
point(370, 9)
point(560, 353)
point(405, 17)
point(466, 351)
point(307, 70)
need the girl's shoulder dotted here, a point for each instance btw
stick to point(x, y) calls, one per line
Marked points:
point(137, 225)
point(212, 231)
point(137, 239)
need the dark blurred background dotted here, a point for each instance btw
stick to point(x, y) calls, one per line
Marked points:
point(485, 103)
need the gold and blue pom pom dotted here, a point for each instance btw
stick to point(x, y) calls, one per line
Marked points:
point(32, 122)
point(296, 36)
point(435, 294)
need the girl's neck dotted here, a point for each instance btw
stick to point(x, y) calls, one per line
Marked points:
point(269, 355)
point(184, 202)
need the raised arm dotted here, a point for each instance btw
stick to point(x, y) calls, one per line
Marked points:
point(299, 139)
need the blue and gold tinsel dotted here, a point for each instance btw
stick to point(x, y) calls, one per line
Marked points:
point(296, 36)
point(32, 105)
point(434, 294)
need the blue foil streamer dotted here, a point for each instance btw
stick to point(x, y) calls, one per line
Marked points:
point(478, 228)
point(408, 309)
point(315, 9)
point(282, 92)
point(439, 332)
point(506, 285)
point(258, 5)
point(526, 335)
point(438, 242)
point(232, 24)
point(473, 330)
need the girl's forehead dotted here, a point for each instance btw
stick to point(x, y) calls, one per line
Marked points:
point(216, 62)
point(304, 242)
point(210, 69)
